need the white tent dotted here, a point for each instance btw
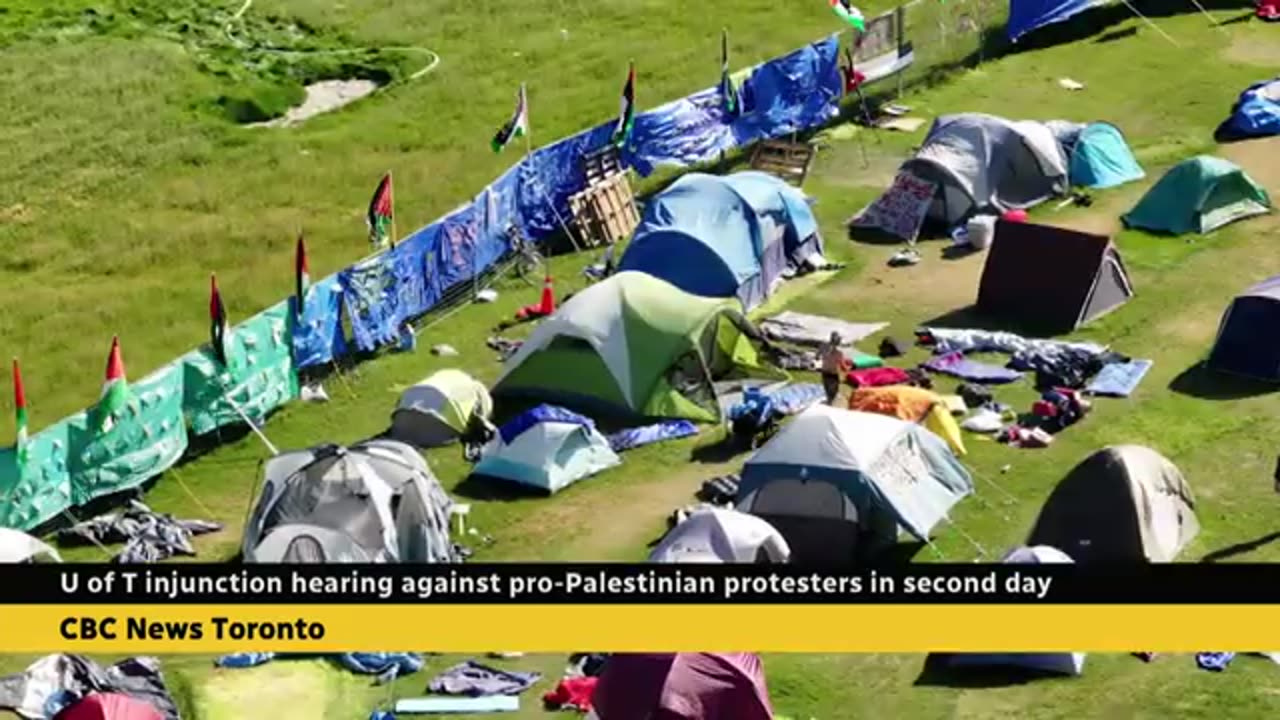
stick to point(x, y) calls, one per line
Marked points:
point(373, 502)
point(1124, 503)
point(19, 547)
point(715, 535)
point(1058, 663)
point(547, 448)
point(834, 478)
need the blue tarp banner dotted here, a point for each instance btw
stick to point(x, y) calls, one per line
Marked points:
point(550, 175)
point(372, 301)
point(795, 92)
point(317, 336)
point(1028, 15)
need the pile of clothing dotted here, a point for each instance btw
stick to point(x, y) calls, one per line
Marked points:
point(57, 682)
point(575, 689)
point(148, 536)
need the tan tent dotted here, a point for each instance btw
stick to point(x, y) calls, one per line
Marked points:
point(1124, 503)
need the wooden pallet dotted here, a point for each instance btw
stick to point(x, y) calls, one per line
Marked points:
point(601, 165)
point(787, 160)
point(605, 212)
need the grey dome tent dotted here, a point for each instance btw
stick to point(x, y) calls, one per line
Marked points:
point(1122, 504)
point(1248, 343)
point(373, 502)
point(1051, 278)
point(984, 163)
point(1058, 663)
point(838, 483)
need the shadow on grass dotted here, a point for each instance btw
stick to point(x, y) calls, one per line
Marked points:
point(483, 488)
point(969, 318)
point(937, 672)
point(1240, 548)
point(1200, 382)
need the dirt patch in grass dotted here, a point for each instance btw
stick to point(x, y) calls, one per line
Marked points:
point(613, 520)
point(1263, 50)
point(1260, 158)
point(938, 282)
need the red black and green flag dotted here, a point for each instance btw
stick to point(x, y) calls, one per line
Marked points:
point(627, 110)
point(20, 414)
point(380, 215)
point(728, 93)
point(301, 275)
point(217, 322)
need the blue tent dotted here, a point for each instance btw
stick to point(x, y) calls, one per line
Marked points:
point(721, 236)
point(1255, 114)
point(786, 208)
point(1028, 15)
point(1101, 158)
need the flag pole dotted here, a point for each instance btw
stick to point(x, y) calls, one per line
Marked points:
point(391, 187)
point(252, 425)
point(528, 150)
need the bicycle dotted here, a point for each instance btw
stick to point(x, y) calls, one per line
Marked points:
point(525, 259)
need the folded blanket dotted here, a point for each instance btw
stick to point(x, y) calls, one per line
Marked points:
point(648, 434)
point(957, 365)
point(876, 377)
point(794, 399)
point(1119, 379)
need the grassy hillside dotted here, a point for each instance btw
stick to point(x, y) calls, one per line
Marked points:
point(128, 187)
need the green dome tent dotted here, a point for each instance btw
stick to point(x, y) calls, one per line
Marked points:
point(1199, 195)
point(634, 345)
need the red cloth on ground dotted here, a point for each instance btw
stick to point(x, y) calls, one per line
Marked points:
point(572, 692)
point(1269, 9)
point(876, 377)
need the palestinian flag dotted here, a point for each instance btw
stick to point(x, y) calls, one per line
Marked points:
point(301, 275)
point(627, 110)
point(728, 93)
point(380, 213)
point(115, 389)
point(20, 414)
point(517, 126)
point(217, 322)
point(850, 14)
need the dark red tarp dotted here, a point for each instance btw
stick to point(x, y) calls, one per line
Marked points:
point(683, 686)
point(110, 706)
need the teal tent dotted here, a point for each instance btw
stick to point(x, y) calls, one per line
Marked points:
point(1101, 158)
point(1199, 195)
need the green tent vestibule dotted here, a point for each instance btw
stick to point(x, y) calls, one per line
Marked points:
point(635, 346)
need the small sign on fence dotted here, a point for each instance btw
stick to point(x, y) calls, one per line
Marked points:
point(882, 49)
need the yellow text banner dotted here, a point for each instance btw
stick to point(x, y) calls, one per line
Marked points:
point(618, 628)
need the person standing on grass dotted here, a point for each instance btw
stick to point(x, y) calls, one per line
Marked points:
point(833, 364)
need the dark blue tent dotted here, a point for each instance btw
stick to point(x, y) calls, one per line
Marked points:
point(1255, 114)
point(1249, 337)
point(1028, 15)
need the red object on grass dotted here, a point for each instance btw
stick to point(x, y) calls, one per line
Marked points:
point(110, 706)
point(573, 692)
point(547, 305)
point(1015, 216)
point(1269, 10)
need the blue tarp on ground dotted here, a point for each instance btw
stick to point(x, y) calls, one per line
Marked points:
point(1101, 158)
point(632, 438)
point(317, 335)
point(702, 237)
point(1255, 114)
point(1028, 15)
point(1119, 379)
point(516, 426)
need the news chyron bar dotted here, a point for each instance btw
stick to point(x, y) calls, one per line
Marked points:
point(564, 608)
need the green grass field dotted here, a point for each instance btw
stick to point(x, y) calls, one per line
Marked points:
point(126, 183)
